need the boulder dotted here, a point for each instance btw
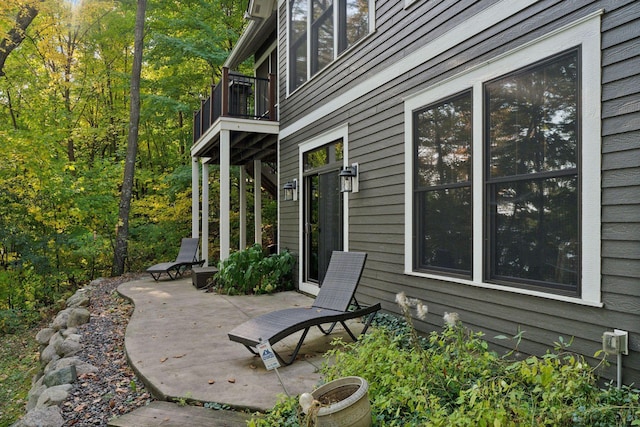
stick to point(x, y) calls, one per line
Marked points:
point(54, 396)
point(44, 335)
point(77, 316)
point(80, 299)
point(96, 282)
point(69, 346)
point(48, 354)
point(64, 375)
point(60, 322)
point(56, 339)
point(34, 395)
point(66, 332)
point(48, 416)
point(81, 366)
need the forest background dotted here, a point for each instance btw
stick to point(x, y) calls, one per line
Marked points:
point(64, 117)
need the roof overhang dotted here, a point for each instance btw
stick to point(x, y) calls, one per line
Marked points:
point(258, 30)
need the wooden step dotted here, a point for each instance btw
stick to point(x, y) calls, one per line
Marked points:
point(167, 414)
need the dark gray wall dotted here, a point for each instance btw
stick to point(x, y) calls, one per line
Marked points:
point(376, 141)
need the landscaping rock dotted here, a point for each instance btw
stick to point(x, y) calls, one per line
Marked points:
point(80, 299)
point(60, 322)
point(78, 316)
point(69, 331)
point(34, 394)
point(54, 396)
point(44, 335)
point(65, 375)
point(49, 416)
point(48, 354)
point(69, 346)
point(82, 367)
point(56, 339)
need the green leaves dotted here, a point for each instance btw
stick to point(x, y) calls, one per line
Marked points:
point(250, 271)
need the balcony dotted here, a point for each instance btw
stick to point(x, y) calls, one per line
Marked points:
point(238, 96)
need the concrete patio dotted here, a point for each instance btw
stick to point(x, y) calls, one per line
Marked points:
point(177, 343)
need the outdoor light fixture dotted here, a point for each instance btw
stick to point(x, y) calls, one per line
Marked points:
point(349, 179)
point(290, 190)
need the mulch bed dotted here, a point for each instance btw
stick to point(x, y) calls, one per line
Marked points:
point(114, 390)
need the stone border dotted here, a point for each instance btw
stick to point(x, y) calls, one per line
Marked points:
point(59, 365)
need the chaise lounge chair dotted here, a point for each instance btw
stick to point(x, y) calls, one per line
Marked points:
point(187, 258)
point(331, 306)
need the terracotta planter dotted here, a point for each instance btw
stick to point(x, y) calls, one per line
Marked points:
point(345, 402)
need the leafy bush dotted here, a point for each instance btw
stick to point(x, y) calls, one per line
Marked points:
point(454, 379)
point(250, 271)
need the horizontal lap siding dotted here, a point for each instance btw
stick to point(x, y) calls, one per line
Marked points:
point(376, 142)
point(621, 177)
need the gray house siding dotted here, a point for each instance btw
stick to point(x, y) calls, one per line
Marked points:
point(377, 142)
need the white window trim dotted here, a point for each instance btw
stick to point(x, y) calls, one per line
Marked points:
point(585, 33)
point(339, 132)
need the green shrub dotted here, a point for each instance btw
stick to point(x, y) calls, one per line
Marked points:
point(250, 271)
point(454, 379)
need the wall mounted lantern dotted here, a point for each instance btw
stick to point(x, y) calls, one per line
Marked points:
point(290, 190)
point(349, 179)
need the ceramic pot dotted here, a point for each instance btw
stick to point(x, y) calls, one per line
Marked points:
point(345, 402)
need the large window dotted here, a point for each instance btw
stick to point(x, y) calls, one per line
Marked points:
point(505, 160)
point(532, 122)
point(442, 133)
point(319, 31)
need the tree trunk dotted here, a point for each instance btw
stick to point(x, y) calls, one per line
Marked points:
point(16, 34)
point(122, 228)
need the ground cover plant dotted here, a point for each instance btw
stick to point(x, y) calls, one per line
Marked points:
point(451, 377)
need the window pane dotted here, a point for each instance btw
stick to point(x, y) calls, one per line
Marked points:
point(444, 239)
point(443, 136)
point(533, 119)
point(322, 32)
point(299, 12)
point(536, 229)
point(357, 20)
point(298, 42)
point(300, 65)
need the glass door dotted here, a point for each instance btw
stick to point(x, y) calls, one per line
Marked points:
point(322, 225)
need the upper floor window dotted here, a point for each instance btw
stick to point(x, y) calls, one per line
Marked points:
point(319, 31)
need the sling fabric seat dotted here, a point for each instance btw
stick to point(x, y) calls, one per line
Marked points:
point(187, 258)
point(331, 306)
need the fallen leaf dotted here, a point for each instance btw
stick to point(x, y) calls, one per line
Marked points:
point(212, 381)
point(164, 359)
point(232, 380)
point(179, 356)
point(252, 366)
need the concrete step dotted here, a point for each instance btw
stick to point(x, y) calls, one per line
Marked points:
point(167, 414)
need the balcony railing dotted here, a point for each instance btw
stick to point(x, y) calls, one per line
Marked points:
point(236, 95)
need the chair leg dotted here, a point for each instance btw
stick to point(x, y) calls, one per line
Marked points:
point(368, 322)
point(328, 331)
point(295, 352)
point(364, 330)
point(154, 276)
point(346, 328)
